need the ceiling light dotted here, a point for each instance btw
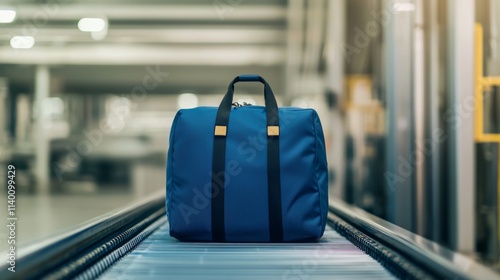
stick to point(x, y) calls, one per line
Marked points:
point(187, 100)
point(300, 103)
point(7, 15)
point(91, 24)
point(403, 7)
point(22, 42)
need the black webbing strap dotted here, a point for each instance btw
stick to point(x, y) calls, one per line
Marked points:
point(218, 170)
point(273, 161)
point(274, 189)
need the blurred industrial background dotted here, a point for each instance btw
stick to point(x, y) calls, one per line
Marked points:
point(407, 91)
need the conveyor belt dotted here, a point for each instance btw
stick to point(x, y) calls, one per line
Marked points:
point(160, 255)
point(133, 243)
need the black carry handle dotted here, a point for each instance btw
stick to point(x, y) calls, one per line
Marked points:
point(225, 106)
point(273, 162)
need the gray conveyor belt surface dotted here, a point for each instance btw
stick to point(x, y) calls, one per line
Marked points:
point(162, 257)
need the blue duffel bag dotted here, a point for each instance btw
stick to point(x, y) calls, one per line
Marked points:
point(247, 174)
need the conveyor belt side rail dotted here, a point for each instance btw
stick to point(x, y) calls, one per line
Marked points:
point(57, 255)
point(89, 251)
point(434, 259)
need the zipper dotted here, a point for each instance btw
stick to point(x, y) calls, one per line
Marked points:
point(238, 105)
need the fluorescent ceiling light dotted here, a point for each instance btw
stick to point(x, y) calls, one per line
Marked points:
point(404, 7)
point(7, 15)
point(301, 103)
point(187, 100)
point(22, 42)
point(91, 24)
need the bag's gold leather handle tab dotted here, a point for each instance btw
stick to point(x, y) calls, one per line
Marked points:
point(273, 130)
point(220, 130)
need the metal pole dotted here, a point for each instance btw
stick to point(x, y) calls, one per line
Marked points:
point(335, 73)
point(432, 160)
point(4, 135)
point(400, 165)
point(41, 141)
point(295, 34)
point(4, 89)
point(419, 118)
point(460, 27)
point(495, 70)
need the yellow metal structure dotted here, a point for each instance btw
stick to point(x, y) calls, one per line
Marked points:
point(360, 99)
point(359, 91)
point(481, 84)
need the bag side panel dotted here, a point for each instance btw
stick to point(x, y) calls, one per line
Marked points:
point(190, 188)
point(321, 171)
point(170, 164)
point(299, 190)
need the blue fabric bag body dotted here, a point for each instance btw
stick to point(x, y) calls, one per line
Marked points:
point(247, 174)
